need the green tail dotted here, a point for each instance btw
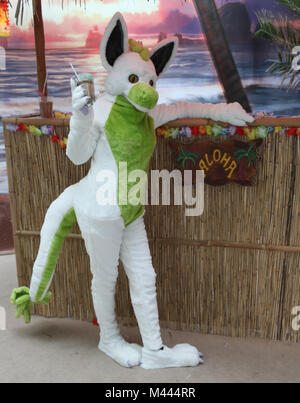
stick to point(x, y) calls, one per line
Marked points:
point(57, 242)
point(20, 296)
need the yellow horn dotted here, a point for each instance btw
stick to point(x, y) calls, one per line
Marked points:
point(139, 48)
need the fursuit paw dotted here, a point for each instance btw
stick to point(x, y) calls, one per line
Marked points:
point(80, 103)
point(182, 355)
point(232, 113)
point(125, 354)
point(20, 297)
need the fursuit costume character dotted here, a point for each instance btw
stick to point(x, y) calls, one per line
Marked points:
point(120, 127)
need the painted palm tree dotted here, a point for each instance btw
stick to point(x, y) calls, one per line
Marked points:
point(185, 156)
point(221, 54)
point(285, 36)
point(39, 36)
point(246, 153)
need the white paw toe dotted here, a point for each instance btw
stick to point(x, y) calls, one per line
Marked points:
point(188, 354)
point(182, 355)
point(125, 354)
point(131, 364)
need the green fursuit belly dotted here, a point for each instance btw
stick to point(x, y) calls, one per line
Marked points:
point(131, 136)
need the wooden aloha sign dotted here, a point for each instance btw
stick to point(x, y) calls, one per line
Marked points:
point(231, 161)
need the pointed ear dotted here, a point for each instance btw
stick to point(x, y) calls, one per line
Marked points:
point(114, 42)
point(163, 54)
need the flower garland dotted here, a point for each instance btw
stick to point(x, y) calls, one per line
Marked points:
point(216, 130)
point(167, 132)
point(45, 130)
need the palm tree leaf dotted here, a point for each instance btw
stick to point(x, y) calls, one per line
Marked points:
point(192, 159)
point(292, 4)
point(19, 14)
point(190, 154)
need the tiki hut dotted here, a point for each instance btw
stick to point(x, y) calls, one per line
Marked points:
point(232, 271)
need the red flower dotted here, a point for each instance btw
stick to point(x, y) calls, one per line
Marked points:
point(240, 131)
point(55, 138)
point(292, 131)
point(95, 322)
point(22, 127)
point(202, 130)
point(195, 131)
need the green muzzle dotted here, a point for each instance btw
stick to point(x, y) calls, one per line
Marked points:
point(144, 95)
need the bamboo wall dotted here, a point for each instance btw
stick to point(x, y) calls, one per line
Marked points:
point(233, 271)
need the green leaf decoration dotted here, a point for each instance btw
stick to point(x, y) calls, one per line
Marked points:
point(185, 156)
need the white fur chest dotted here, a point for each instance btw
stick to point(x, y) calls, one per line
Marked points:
point(103, 166)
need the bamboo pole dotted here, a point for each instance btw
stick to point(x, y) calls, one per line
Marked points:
point(221, 54)
point(37, 234)
point(290, 206)
point(13, 201)
point(39, 37)
point(266, 121)
point(194, 243)
point(63, 122)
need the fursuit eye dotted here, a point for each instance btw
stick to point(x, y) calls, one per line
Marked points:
point(133, 79)
point(151, 83)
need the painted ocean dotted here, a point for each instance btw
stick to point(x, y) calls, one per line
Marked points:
point(191, 78)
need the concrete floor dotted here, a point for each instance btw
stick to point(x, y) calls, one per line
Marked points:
point(51, 350)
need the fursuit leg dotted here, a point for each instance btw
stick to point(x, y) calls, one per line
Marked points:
point(103, 240)
point(137, 261)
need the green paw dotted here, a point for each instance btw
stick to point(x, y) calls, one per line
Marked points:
point(21, 299)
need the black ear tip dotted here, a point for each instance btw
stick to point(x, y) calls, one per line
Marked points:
point(118, 25)
point(115, 43)
point(162, 56)
point(119, 19)
point(118, 22)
